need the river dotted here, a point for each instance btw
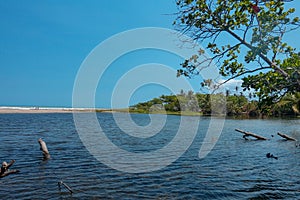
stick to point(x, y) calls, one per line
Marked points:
point(235, 168)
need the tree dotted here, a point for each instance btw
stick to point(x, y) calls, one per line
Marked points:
point(290, 100)
point(259, 55)
point(236, 104)
point(204, 103)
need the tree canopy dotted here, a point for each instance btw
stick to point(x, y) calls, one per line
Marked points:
point(258, 53)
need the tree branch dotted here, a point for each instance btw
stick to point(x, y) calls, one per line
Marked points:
point(243, 73)
point(267, 60)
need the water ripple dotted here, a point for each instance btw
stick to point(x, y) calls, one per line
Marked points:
point(235, 169)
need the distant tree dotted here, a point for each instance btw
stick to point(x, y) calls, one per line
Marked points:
point(213, 104)
point(182, 92)
point(156, 101)
point(204, 103)
point(291, 101)
point(259, 55)
point(236, 105)
point(171, 103)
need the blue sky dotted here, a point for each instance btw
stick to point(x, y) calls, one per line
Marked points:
point(43, 44)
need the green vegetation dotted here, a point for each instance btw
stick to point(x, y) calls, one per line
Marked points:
point(201, 104)
point(254, 49)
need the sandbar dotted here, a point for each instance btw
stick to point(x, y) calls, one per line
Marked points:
point(7, 110)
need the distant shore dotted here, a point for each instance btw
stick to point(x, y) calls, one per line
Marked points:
point(7, 110)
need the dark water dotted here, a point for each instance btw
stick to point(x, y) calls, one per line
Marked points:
point(234, 169)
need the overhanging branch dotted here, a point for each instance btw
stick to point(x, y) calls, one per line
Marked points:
point(265, 58)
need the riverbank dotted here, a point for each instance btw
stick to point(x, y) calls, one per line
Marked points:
point(181, 113)
point(37, 110)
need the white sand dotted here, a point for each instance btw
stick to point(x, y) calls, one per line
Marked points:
point(42, 110)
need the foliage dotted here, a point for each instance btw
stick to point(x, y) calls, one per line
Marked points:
point(259, 55)
point(201, 104)
point(289, 104)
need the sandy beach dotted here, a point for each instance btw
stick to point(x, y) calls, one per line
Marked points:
point(4, 110)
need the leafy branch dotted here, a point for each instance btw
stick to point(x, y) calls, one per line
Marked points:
point(259, 27)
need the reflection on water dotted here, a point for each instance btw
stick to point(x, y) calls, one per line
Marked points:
point(235, 169)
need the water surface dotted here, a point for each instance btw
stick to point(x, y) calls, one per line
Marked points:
point(235, 169)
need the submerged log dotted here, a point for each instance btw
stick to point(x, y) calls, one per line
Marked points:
point(246, 134)
point(5, 171)
point(44, 149)
point(66, 186)
point(286, 137)
point(9, 172)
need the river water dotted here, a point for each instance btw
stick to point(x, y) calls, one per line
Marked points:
point(234, 169)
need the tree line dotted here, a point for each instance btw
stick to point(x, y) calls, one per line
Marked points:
point(236, 104)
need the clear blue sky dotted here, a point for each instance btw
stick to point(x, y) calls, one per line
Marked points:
point(43, 43)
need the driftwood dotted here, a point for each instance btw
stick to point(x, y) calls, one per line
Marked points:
point(5, 169)
point(66, 186)
point(246, 134)
point(44, 149)
point(286, 137)
point(9, 172)
point(269, 155)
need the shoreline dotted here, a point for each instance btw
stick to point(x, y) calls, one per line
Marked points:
point(45, 110)
point(32, 110)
